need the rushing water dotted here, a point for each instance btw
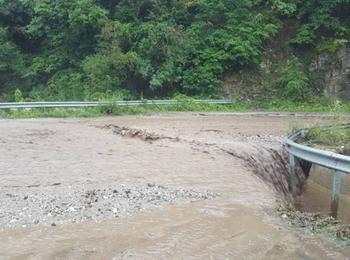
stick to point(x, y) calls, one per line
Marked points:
point(213, 230)
point(232, 156)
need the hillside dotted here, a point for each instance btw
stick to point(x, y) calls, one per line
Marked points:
point(260, 50)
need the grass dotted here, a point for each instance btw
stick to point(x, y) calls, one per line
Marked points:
point(50, 112)
point(328, 136)
point(334, 138)
point(315, 105)
point(104, 110)
point(184, 105)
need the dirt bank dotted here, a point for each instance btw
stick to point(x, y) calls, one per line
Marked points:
point(167, 186)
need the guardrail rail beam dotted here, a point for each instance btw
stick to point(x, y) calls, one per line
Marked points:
point(74, 104)
point(338, 162)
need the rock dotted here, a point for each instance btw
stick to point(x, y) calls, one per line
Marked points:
point(335, 71)
point(69, 206)
point(71, 209)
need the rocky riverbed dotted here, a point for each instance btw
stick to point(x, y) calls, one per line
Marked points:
point(59, 204)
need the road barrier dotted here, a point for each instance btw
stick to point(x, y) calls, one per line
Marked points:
point(73, 104)
point(339, 163)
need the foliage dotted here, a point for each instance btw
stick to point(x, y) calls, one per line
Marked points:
point(66, 85)
point(284, 8)
point(331, 136)
point(18, 96)
point(109, 72)
point(225, 35)
point(160, 47)
point(293, 83)
point(11, 63)
point(97, 49)
point(331, 46)
point(322, 18)
point(66, 27)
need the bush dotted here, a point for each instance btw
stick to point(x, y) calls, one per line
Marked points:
point(67, 85)
point(293, 83)
point(332, 136)
point(109, 72)
point(18, 96)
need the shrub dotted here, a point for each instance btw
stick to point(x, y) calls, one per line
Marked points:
point(67, 85)
point(18, 95)
point(293, 83)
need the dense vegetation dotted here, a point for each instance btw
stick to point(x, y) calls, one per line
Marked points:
point(108, 49)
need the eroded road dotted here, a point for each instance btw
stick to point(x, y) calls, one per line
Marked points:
point(167, 186)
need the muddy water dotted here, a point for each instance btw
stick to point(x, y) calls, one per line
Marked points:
point(318, 191)
point(214, 230)
point(212, 152)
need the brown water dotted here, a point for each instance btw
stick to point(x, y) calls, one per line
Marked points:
point(214, 152)
point(318, 191)
point(198, 231)
point(214, 230)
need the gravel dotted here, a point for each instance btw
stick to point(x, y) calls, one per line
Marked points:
point(26, 206)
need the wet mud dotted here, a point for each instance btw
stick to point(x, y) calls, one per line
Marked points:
point(268, 163)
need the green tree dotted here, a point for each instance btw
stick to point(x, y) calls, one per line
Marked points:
point(11, 64)
point(156, 47)
point(322, 19)
point(293, 83)
point(65, 31)
point(225, 35)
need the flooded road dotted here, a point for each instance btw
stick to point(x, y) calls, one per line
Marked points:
point(197, 187)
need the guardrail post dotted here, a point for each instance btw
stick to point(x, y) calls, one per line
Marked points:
point(337, 182)
point(293, 178)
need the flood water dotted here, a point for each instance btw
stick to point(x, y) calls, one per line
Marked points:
point(213, 230)
point(205, 152)
point(318, 191)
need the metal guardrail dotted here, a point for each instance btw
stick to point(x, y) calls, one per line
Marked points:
point(73, 104)
point(339, 163)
